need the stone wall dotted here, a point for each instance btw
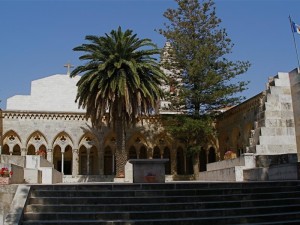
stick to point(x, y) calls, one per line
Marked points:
point(295, 89)
point(7, 193)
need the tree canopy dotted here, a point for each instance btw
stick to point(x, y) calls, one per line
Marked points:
point(199, 51)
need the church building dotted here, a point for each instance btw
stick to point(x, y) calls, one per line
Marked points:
point(263, 133)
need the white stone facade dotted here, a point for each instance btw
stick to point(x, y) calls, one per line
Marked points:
point(55, 93)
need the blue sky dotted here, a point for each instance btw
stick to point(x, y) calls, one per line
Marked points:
point(37, 36)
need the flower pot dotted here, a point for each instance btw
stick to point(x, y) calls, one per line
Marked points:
point(4, 180)
point(150, 179)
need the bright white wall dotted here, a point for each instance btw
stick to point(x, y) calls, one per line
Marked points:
point(54, 93)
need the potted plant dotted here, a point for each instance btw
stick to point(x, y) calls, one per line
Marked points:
point(41, 152)
point(5, 175)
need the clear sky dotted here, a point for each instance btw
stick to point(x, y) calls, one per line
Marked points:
point(37, 36)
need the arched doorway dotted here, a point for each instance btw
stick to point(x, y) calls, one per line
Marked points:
point(68, 160)
point(31, 150)
point(57, 158)
point(109, 165)
point(83, 160)
point(5, 150)
point(132, 153)
point(16, 150)
point(211, 155)
point(143, 152)
point(202, 160)
point(180, 161)
point(167, 155)
point(156, 153)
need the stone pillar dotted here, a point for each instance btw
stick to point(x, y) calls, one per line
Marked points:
point(113, 163)
point(49, 155)
point(75, 162)
point(23, 151)
point(62, 162)
point(101, 161)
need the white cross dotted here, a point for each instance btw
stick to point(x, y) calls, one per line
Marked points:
point(69, 66)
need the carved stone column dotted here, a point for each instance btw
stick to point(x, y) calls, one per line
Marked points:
point(88, 161)
point(23, 151)
point(49, 155)
point(75, 162)
point(62, 162)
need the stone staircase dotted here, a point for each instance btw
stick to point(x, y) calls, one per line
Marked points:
point(170, 203)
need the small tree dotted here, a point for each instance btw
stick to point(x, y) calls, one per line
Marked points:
point(193, 132)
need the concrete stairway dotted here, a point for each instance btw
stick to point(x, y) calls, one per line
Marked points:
point(169, 203)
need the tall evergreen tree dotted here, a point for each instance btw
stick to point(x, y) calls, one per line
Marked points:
point(197, 55)
point(199, 49)
point(120, 81)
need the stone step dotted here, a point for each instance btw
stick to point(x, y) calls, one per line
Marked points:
point(160, 199)
point(159, 206)
point(166, 186)
point(165, 204)
point(163, 214)
point(171, 192)
point(272, 218)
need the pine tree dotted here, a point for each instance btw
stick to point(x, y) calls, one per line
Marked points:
point(199, 49)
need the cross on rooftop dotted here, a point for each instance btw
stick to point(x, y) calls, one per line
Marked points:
point(68, 66)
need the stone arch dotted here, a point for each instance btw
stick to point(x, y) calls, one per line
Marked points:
point(16, 150)
point(109, 161)
point(63, 139)
point(143, 153)
point(37, 139)
point(62, 158)
point(31, 150)
point(137, 140)
point(161, 141)
point(211, 155)
point(202, 160)
point(110, 140)
point(5, 150)
point(88, 140)
point(180, 161)
point(156, 153)
point(132, 153)
point(167, 155)
point(12, 139)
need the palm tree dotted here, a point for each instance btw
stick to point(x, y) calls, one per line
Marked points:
point(120, 81)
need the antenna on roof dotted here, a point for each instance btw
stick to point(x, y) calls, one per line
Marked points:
point(68, 66)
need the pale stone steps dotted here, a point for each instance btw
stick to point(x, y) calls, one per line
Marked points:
point(157, 206)
point(166, 204)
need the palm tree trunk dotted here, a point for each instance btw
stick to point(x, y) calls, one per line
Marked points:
point(121, 155)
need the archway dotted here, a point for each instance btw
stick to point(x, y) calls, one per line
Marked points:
point(143, 152)
point(57, 158)
point(180, 161)
point(82, 160)
point(132, 153)
point(211, 155)
point(167, 155)
point(16, 150)
point(202, 160)
point(109, 165)
point(31, 150)
point(156, 153)
point(5, 150)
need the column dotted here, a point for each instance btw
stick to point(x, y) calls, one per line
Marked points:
point(62, 162)
point(49, 155)
point(75, 162)
point(23, 151)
